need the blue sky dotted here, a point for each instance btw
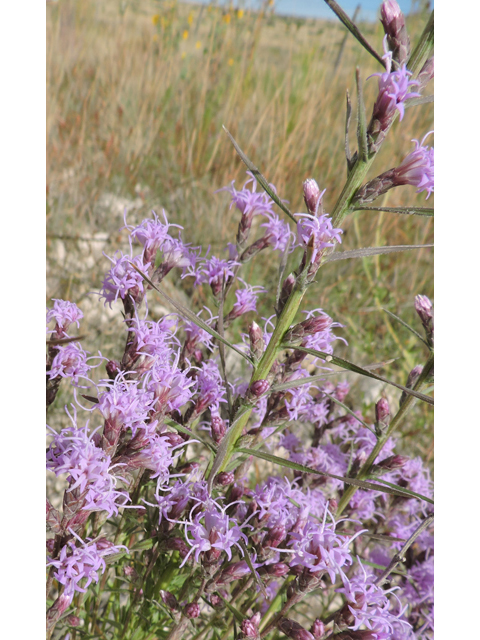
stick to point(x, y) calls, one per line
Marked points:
point(318, 8)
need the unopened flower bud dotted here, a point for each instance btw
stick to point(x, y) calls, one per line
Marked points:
point(382, 415)
point(169, 599)
point(218, 428)
point(393, 22)
point(50, 545)
point(312, 196)
point(274, 536)
point(332, 505)
point(224, 478)
point(235, 571)
point(294, 630)
point(413, 376)
point(317, 629)
point(257, 389)
point(393, 462)
point(191, 610)
point(424, 308)
point(177, 544)
point(215, 601)
point(426, 74)
point(113, 369)
point(249, 627)
point(257, 343)
point(73, 621)
point(287, 288)
point(278, 569)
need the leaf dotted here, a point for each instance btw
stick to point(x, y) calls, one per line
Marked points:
point(411, 493)
point(413, 102)
point(406, 325)
point(250, 566)
point(61, 341)
point(340, 13)
point(374, 251)
point(361, 121)
point(345, 364)
point(259, 177)
point(408, 211)
point(281, 386)
point(238, 616)
point(192, 317)
point(189, 432)
point(400, 491)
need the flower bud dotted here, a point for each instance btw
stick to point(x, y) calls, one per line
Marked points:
point(177, 544)
point(257, 343)
point(169, 599)
point(278, 569)
point(73, 621)
point(312, 196)
point(191, 610)
point(382, 415)
point(224, 478)
point(274, 536)
point(287, 288)
point(249, 627)
point(317, 629)
point(113, 369)
point(426, 74)
point(294, 630)
point(257, 389)
point(50, 545)
point(393, 462)
point(218, 429)
point(413, 376)
point(235, 571)
point(393, 22)
point(424, 308)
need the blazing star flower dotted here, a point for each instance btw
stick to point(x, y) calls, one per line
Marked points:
point(151, 234)
point(317, 231)
point(64, 313)
point(124, 404)
point(246, 299)
point(212, 529)
point(171, 388)
point(215, 271)
point(178, 254)
point(249, 202)
point(122, 279)
point(196, 335)
point(369, 604)
point(416, 169)
point(70, 362)
point(393, 90)
point(159, 457)
point(319, 548)
point(76, 564)
point(153, 343)
point(210, 386)
point(277, 232)
point(73, 451)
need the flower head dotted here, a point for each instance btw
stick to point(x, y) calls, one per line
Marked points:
point(64, 313)
point(417, 169)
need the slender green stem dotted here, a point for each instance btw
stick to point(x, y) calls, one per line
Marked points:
point(401, 413)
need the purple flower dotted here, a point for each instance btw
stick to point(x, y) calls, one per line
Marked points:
point(417, 169)
point(393, 90)
point(152, 345)
point(151, 234)
point(210, 387)
point(198, 336)
point(369, 604)
point(215, 271)
point(122, 279)
point(171, 388)
point(319, 548)
point(74, 451)
point(124, 405)
point(76, 564)
point(64, 313)
point(70, 362)
point(277, 232)
point(246, 300)
point(249, 203)
point(212, 529)
point(317, 233)
point(158, 456)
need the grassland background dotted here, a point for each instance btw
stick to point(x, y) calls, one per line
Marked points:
point(137, 96)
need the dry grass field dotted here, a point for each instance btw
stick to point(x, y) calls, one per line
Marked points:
point(137, 96)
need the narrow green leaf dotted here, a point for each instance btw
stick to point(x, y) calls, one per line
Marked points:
point(408, 211)
point(397, 491)
point(61, 341)
point(361, 121)
point(375, 251)
point(259, 177)
point(340, 13)
point(192, 317)
point(189, 432)
point(413, 102)
point(248, 560)
point(238, 616)
point(406, 325)
point(407, 491)
point(345, 364)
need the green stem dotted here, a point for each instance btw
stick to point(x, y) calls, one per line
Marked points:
point(364, 472)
